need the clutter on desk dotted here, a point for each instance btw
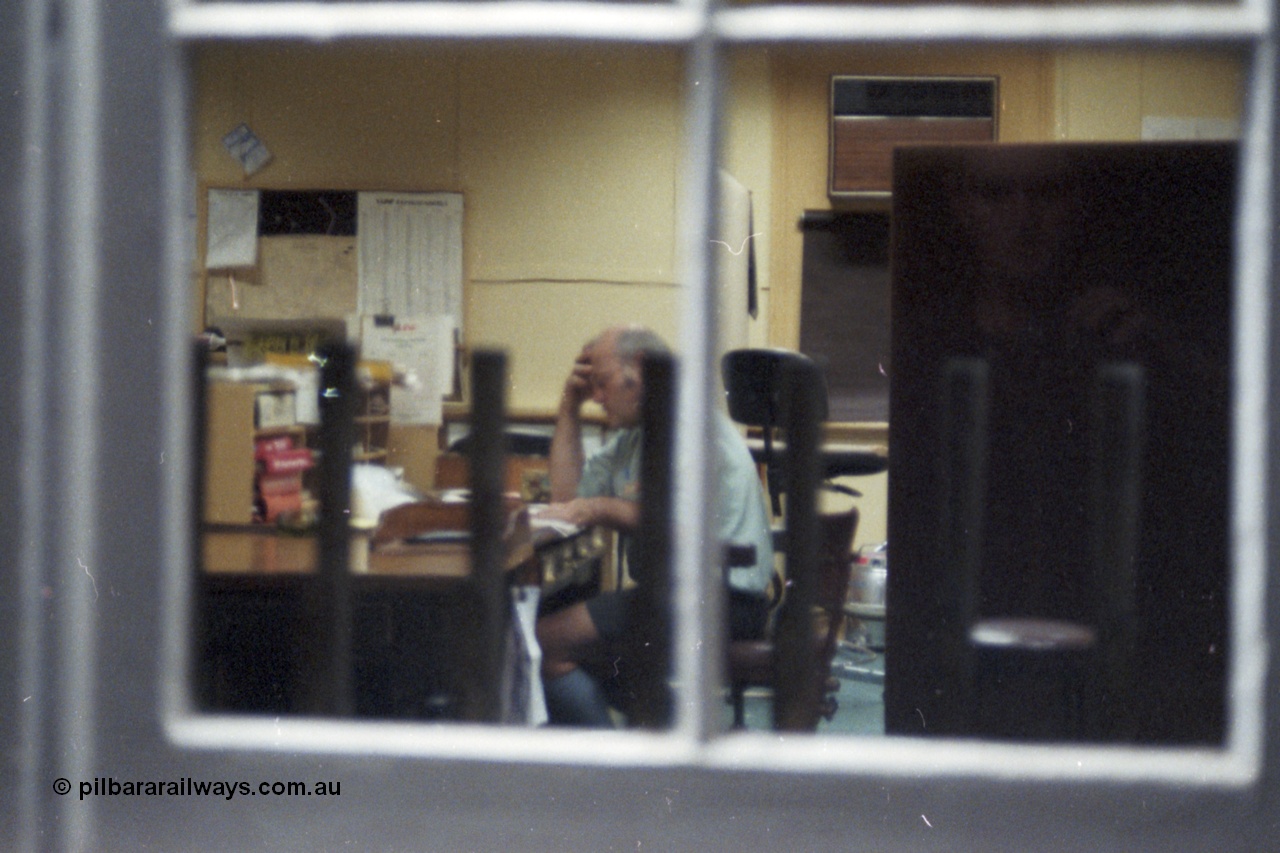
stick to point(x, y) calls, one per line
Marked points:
point(376, 489)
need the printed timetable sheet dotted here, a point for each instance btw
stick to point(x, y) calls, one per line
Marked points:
point(410, 247)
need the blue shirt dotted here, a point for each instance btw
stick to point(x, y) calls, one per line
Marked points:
point(739, 517)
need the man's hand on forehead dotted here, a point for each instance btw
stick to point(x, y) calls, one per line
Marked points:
point(584, 363)
point(578, 386)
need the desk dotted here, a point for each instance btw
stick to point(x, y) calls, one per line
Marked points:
point(411, 613)
point(265, 549)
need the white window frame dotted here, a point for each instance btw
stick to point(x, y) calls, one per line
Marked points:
point(705, 30)
point(617, 785)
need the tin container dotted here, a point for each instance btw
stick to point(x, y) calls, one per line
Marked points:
point(868, 583)
point(869, 578)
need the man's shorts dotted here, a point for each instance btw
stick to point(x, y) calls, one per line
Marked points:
point(610, 613)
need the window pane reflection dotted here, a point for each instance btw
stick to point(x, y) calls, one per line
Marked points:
point(565, 164)
point(568, 163)
point(1061, 375)
point(821, 292)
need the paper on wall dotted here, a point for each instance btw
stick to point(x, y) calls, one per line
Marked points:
point(233, 229)
point(410, 253)
point(1156, 128)
point(418, 346)
point(734, 250)
point(247, 149)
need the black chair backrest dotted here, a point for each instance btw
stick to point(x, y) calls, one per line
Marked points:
point(517, 444)
point(753, 384)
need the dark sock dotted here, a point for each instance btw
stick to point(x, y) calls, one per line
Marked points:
point(576, 699)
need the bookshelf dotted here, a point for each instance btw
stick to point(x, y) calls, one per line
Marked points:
point(373, 413)
point(233, 434)
point(245, 418)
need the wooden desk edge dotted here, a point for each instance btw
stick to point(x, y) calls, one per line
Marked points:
point(267, 550)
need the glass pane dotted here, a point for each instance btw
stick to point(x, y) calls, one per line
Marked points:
point(1162, 275)
point(346, 190)
point(567, 161)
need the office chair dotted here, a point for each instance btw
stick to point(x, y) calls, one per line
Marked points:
point(756, 395)
point(518, 443)
point(787, 391)
point(755, 663)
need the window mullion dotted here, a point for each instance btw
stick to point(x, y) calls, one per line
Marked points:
point(1025, 24)
point(704, 28)
point(639, 23)
point(698, 594)
point(1252, 322)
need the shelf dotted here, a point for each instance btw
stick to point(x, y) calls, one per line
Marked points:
point(290, 429)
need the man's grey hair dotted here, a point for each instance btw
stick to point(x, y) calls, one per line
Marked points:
point(633, 343)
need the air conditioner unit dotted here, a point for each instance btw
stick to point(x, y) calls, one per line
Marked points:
point(870, 116)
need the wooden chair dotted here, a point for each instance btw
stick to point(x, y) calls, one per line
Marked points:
point(523, 475)
point(754, 663)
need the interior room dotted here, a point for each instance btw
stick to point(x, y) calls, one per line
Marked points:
point(568, 163)
point(265, 590)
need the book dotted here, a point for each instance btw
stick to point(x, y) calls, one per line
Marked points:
point(279, 484)
point(273, 506)
point(287, 461)
point(272, 444)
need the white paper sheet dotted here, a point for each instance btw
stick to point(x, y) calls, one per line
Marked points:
point(733, 244)
point(537, 522)
point(523, 699)
point(247, 149)
point(308, 385)
point(374, 490)
point(410, 253)
point(233, 229)
point(415, 345)
point(1176, 128)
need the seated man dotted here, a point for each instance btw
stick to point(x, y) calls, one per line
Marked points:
point(604, 490)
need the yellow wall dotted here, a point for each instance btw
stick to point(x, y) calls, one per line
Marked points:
point(569, 157)
point(1094, 94)
point(1104, 95)
point(569, 160)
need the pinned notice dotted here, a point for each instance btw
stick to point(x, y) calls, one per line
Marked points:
point(233, 229)
point(247, 148)
point(416, 345)
point(410, 247)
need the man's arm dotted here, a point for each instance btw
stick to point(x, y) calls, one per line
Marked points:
point(567, 460)
point(613, 513)
point(566, 457)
